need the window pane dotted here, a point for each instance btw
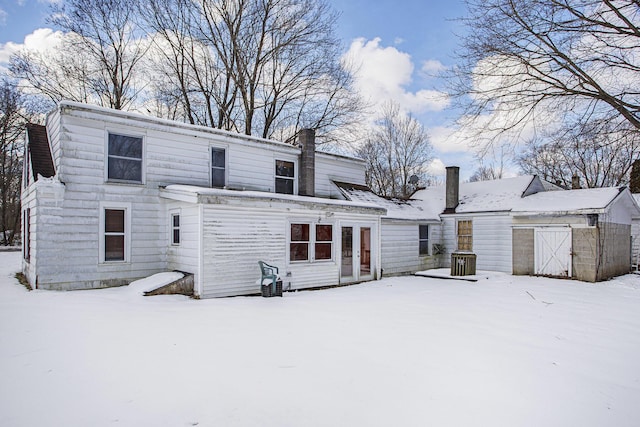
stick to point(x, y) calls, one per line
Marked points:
point(299, 251)
point(284, 186)
point(125, 146)
point(176, 220)
point(217, 157)
point(464, 228)
point(176, 236)
point(284, 168)
point(324, 233)
point(323, 251)
point(299, 232)
point(217, 177)
point(114, 248)
point(424, 247)
point(113, 221)
point(125, 169)
point(464, 243)
point(424, 232)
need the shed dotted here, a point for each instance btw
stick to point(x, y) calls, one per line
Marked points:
point(583, 234)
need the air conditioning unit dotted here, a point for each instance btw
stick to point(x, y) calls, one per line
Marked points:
point(463, 264)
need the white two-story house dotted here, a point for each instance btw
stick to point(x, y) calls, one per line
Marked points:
point(111, 196)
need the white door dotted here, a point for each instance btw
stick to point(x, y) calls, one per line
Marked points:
point(356, 255)
point(553, 251)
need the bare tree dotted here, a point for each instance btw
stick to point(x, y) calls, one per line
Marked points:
point(98, 59)
point(396, 150)
point(283, 61)
point(599, 152)
point(524, 58)
point(12, 120)
point(60, 73)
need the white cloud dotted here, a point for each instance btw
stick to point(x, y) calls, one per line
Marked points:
point(384, 73)
point(3, 17)
point(432, 67)
point(42, 40)
point(436, 167)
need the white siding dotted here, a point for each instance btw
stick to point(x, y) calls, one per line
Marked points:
point(491, 240)
point(400, 249)
point(235, 239)
point(68, 232)
point(331, 168)
point(184, 257)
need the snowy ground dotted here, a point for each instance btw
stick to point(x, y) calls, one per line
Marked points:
point(412, 351)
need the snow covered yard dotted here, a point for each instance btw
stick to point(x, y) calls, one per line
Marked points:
point(505, 351)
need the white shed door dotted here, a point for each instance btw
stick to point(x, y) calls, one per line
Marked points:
point(553, 251)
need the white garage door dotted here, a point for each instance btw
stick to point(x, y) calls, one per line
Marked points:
point(553, 251)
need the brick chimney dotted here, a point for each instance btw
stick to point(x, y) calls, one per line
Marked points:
point(634, 179)
point(575, 182)
point(307, 175)
point(452, 189)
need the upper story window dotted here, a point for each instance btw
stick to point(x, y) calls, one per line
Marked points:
point(465, 235)
point(218, 167)
point(285, 176)
point(424, 239)
point(124, 158)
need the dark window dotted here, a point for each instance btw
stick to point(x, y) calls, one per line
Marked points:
point(299, 243)
point(125, 158)
point(175, 229)
point(114, 234)
point(285, 175)
point(26, 241)
point(424, 239)
point(324, 242)
point(218, 161)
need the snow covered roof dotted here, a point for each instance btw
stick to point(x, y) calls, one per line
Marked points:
point(396, 208)
point(197, 194)
point(590, 200)
point(483, 196)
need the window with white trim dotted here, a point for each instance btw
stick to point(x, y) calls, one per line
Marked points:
point(299, 242)
point(285, 177)
point(175, 229)
point(305, 245)
point(423, 239)
point(218, 167)
point(115, 232)
point(323, 249)
point(124, 160)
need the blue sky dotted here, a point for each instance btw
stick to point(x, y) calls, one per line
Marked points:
point(397, 41)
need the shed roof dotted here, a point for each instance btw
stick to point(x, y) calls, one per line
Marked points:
point(396, 208)
point(588, 200)
point(39, 151)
